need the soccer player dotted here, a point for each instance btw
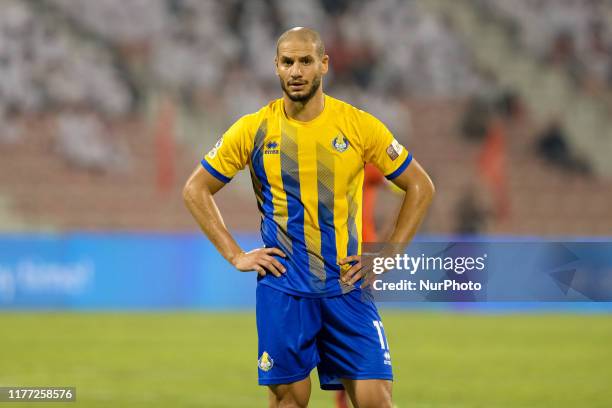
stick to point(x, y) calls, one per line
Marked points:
point(306, 153)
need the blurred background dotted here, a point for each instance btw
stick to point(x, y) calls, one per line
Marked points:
point(107, 106)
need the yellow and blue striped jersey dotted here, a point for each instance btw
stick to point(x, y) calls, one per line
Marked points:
point(308, 180)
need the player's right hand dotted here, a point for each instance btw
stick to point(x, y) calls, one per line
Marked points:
point(260, 260)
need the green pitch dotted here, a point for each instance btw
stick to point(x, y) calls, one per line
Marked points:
point(209, 360)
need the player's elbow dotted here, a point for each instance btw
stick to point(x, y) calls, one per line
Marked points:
point(431, 189)
point(195, 190)
point(188, 193)
point(427, 190)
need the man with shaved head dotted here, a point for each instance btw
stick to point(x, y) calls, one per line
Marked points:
point(306, 153)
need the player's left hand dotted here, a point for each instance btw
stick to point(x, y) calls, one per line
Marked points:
point(355, 273)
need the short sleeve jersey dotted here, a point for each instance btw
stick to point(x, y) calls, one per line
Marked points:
point(308, 181)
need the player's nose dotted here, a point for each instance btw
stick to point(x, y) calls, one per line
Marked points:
point(295, 72)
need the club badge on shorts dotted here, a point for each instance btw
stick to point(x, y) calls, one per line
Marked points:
point(265, 362)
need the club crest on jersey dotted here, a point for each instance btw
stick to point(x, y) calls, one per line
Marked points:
point(340, 144)
point(271, 148)
point(265, 362)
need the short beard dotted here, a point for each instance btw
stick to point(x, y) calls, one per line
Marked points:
point(316, 84)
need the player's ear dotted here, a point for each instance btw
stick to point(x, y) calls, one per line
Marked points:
point(276, 65)
point(324, 64)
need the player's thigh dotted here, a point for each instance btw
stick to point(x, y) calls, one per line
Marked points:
point(287, 327)
point(352, 344)
point(369, 393)
point(294, 395)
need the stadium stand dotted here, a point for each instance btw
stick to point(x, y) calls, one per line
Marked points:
point(81, 87)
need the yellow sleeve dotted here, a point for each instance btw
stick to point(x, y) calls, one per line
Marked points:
point(381, 148)
point(231, 152)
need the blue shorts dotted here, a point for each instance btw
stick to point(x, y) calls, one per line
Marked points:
point(342, 336)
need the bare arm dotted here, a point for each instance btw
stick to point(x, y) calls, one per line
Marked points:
point(198, 196)
point(419, 191)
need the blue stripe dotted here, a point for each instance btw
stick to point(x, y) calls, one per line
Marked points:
point(352, 245)
point(268, 226)
point(325, 206)
point(295, 208)
point(328, 237)
point(214, 172)
point(401, 168)
point(295, 224)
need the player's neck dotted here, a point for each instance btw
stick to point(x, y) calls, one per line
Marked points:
point(305, 112)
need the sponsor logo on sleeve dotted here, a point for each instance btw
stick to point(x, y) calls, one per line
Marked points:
point(213, 151)
point(394, 150)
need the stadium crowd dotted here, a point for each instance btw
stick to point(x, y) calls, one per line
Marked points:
point(573, 34)
point(62, 52)
point(94, 70)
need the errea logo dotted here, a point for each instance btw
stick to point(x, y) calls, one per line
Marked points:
point(271, 148)
point(387, 356)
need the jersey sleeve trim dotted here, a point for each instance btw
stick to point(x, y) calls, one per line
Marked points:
point(401, 168)
point(215, 173)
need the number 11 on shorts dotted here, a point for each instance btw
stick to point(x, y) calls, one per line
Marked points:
point(384, 344)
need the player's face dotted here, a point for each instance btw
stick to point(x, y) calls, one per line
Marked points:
point(300, 69)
